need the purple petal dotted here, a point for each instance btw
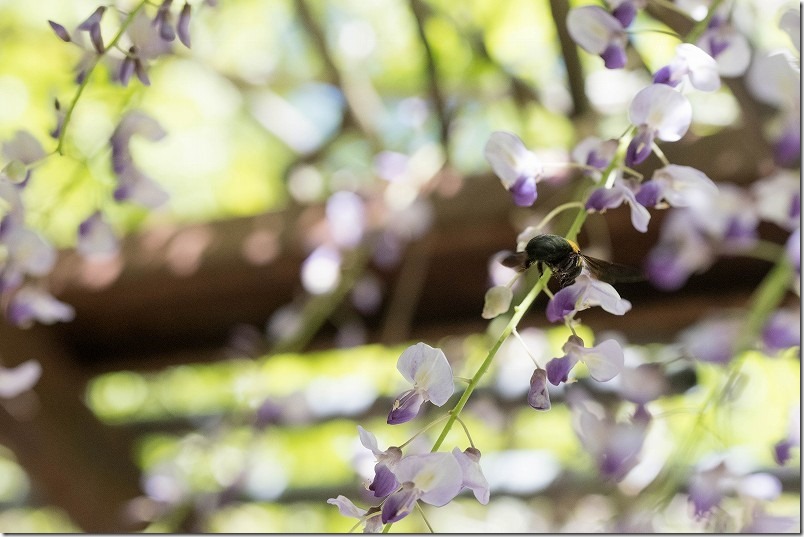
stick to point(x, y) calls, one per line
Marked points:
point(96, 38)
point(406, 407)
point(524, 191)
point(563, 303)
point(183, 26)
point(538, 396)
point(126, 70)
point(625, 13)
point(640, 147)
point(92, 20)
point(384, 482)
point(399, 504)
point(793, 249)
point(650, 193)
point(31, 304)
point(60, 31)
point(558, 369)
point(782, 331)
point(614, 57)
point(665, 76)
point(605, 198)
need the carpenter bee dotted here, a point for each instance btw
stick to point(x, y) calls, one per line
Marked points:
point(565, 259)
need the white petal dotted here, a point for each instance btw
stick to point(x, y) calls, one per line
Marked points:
point(437, 475)
point(346, 507)
point(368, 440)
point(605, 361)
point(593, 28)
point(19, 379)
point(662, 109)
point(703, 69)
point(429, 371)
point(509, 158)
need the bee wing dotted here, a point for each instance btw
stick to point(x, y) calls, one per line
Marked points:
point(517, 261)
point(612, 272)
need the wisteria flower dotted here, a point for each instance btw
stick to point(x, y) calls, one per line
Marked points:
point(585, 293)
point(473, 478)
point(33, 304)
point(793, 249)
point(135, 186)
point(692, 64)
point(538, 395)
point(604, 361)
point(615, 446)
point(347, 508)
point(679, 186)
point(29, 252)
point(384, 482)
point(658, 111)
point(96, 236)
point(728, 47)
point(610, 198)
point(712, 340)
point(133, 123)
point(598, 32)
point(518, 168)
point(435, 478)
point(429, 371)
point(625, 10)
point(15, 380)
point(592, 151)
point(682, 250)
point(22, 151)
point(713, 482)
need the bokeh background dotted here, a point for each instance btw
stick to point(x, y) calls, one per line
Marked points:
point(329, 205)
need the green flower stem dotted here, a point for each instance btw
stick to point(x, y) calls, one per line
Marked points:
point(85, 82)
point(519, 313)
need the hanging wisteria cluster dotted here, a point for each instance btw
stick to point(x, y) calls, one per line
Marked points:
point(704, 221)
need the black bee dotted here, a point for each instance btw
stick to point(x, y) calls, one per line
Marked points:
point(565, 259)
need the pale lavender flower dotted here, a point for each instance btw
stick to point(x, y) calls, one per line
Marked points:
point(642, 384)
point(592, 151)
point(497, 301)
point(712, 340)
point(678, 186)
point(19, 379)
point(712, 482)
point(625, 10)
point(518, 168)
point(431, 375)
point(31, 304)
point(790, 23)
point(585, 293)
point(347, 508)
point(604, 360)
point(29, 251)
point(599, 32)
point(763, 522)
point(96, 237)
point(727, 46)
point(384, 482)
point(24, 147)
point(435, 478)
point(473, 478)
point(133, 123)
point(690, 64)
point(620, 192)
point(164, 21)
point(681, 251)
point(660, 112)
point(135, 186)
point(538, 395)
point(92, 26)
point(615, 446)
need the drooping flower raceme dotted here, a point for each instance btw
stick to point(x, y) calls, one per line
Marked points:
point(585, 293)
point(599, 32)
point(429, 371)
point(658, 111)
point(604, 360)
point(435, 478)
point(517, 167)
point(690, 64)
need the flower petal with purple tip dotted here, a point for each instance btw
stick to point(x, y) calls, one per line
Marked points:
point(662, 110)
